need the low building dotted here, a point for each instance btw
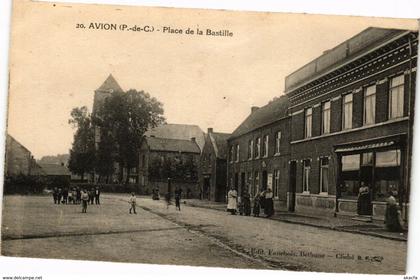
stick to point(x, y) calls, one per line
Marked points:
point(259, 151)
point(163, 158)
point(178, 131)
point(351, 124)
point(55, 175)
point(213, 166)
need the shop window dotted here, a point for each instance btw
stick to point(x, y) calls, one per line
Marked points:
point(347, 111)
point(326, 117)
point(350, 166)
point(396, 97)
point(387, 173)
point(323, 174)
point(369, 107)
point(308, 123)
point(306, 174)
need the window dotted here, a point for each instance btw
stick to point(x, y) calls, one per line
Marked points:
point(278, 141)
point(369, 105)
point(387, 173)
point(323, 174)
point(350, 169)
point(326, 117)
point(256, 182)
point(231, 153)
point(265, 146)
point(249, 183)
point(308, 123)
point(347, 111)
point(237, 153)
point(258, 147)
point(306, 173)
point(250, 148)
point(396, 97)
point(276, 183)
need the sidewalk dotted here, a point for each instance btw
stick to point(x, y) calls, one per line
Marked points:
point(332, 223)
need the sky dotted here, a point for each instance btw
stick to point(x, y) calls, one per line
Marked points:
point(205, 80)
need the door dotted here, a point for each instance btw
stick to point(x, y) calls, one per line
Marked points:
point(206, 188)
point(264, 180)
point(292, 186)
point(243, 183)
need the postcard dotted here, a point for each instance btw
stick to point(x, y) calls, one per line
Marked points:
point(212, 138)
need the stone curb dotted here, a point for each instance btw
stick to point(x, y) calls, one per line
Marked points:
point(314, 225)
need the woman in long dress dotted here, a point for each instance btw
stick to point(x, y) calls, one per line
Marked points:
point(268, 203)
point(246, 199)
point(232, 201)
point(392, 214)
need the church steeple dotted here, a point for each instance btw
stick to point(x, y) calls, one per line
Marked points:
point(110, 85)
point(106, 89)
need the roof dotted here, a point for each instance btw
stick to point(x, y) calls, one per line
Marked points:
point(172, 145)
point(10, 139)
point(273, 111)
point(54, 169)
point(367, 39)
point(219, 142)
point(110, 85)
point(178, 131)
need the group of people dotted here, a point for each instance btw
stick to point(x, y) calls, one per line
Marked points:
point(76, 195)
point(393, 221)
point(242, 204)
point(177, 196)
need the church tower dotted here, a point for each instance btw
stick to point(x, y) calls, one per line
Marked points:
point(106, 89)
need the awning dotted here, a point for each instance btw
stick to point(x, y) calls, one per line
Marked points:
point(353, 148)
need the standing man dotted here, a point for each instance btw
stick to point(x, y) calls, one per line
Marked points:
point(232, 201)
point(97, 193)
point(178, 193)
point(132, 202)
point(84, 197)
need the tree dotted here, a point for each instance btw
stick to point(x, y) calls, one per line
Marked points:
point(82, 153)
point(124, 117)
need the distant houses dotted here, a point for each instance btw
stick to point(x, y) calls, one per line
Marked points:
point(213, 166)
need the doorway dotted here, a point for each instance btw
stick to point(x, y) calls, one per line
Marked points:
point(292, 186)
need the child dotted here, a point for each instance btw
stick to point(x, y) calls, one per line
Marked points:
point(168, 199)
point(178, 193)
point(84, 197)
point(132, 202)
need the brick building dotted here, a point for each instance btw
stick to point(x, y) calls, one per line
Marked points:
point(19, 160)
point(259, 151)
point(213, 165)
point(163, 158)
point(351, 123)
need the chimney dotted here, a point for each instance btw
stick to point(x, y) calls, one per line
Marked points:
point(254, 108)
point(193, 139)
point(210, 130)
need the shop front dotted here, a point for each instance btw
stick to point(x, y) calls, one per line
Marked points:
point(367, 172)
